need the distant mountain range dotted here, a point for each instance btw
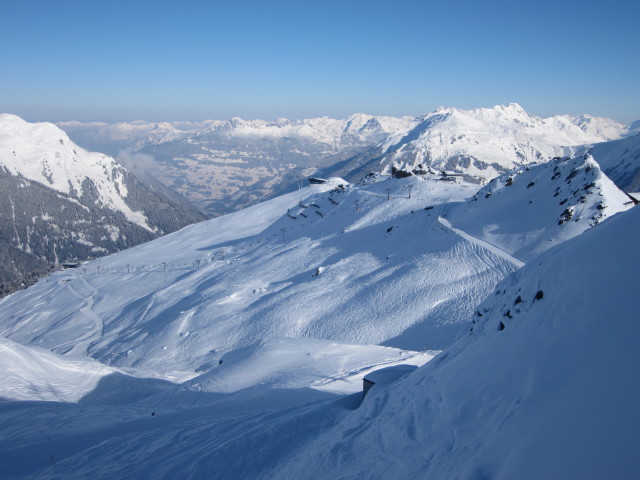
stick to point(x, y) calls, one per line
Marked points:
point(222, 166)
point(60, 203)
point(482, 143)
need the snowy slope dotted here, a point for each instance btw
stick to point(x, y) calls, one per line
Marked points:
point(535, 208)
point(257, 316)
point(345, 265)
point(544, 387)
point(32, 373)
point(484, 142)
point(301, 362)
point(266, 385)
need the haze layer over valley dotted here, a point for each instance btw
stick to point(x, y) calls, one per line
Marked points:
point(222, 166)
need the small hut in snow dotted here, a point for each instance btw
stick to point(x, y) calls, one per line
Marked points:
point(385, 376)
point(316, 180)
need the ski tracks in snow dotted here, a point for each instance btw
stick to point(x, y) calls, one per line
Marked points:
point(481, 243)
point(80, 288)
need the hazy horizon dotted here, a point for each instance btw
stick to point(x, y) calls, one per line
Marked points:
point(160, 61)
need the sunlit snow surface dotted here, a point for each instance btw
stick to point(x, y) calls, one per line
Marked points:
point(385, 275)
point(545, 385)
point(220, 350)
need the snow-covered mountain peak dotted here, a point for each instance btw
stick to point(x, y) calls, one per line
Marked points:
point(528, 211)
point(42, 152)
point(485, 142)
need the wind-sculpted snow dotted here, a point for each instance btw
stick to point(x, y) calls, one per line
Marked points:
point(543, 386)
point(32, 373)
point(132, 427)
point(243, 342)
point(529, 211)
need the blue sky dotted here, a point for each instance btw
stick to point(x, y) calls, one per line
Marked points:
point(191, 60)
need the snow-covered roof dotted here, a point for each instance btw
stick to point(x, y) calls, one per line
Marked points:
point(385, 376)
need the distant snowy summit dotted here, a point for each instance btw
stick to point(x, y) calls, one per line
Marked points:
point(484, 142)
point(359, 128)
point(61, 202)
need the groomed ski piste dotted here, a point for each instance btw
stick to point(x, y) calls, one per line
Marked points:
point(224, 349)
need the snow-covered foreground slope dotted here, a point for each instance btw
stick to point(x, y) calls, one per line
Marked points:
point(299, 363)
point(242, 343)
point(545, 386)
point(529, 211)
point(187, 431)
point(345, 265)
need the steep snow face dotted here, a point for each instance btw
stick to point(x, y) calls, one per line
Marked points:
point(620, 160)
point(487, 141)
point(535, 208)
point(44, 153)
point(545, 385)
point(60, 202)
point(356, 264)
